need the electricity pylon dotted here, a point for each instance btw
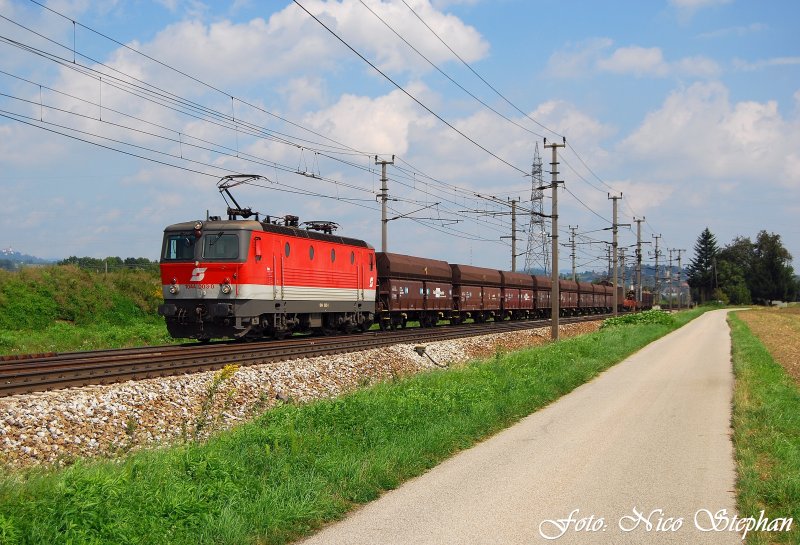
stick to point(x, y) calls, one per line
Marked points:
point(537, 253)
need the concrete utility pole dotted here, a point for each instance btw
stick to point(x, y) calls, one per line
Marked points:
point(624, 272)
point(657, 295)
point(615, 257)
point(572, 255)
point(671, 291)
point(384, 197)
point(608, 257)
point(680, 290)
point(513, 235)
point(638, 260)
point(554, 294)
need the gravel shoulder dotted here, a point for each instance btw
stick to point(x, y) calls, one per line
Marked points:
point(56, 428)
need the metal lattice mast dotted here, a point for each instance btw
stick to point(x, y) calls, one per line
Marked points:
point(537, 254)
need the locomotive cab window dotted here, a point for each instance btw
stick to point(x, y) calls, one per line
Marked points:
point(333, 255)
point(352, 257)
point(311, 252)
point(221, 246)
point(179, 247)
point(287, 249)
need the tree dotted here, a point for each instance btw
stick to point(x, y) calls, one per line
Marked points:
point(771, 276)
point(735, 270)
point(732, 282)
point(701, 269)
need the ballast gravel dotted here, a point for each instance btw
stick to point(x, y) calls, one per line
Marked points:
point(58, 427)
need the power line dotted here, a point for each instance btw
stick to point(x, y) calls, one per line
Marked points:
point(408, 94)
point(227, 121)
point(442, 72)
point(163, 98)
point(465, 63)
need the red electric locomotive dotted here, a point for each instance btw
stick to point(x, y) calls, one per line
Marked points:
point(252, 278)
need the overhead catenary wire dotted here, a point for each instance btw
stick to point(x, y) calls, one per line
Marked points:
point(405, 178)
point(237, 125)
point(175, 130)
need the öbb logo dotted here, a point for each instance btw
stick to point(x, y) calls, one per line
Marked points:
point(198, 273)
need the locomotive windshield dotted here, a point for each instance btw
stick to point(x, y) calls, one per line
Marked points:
point(221, 246)
point(179, 247)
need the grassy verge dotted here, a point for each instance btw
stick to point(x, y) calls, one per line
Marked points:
point(64, 308)
point(68, 337)
point(766, 423)
point(297, 467)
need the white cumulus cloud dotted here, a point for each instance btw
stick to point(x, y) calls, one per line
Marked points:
point(591, 57)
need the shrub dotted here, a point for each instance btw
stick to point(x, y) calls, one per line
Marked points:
point(646, 317)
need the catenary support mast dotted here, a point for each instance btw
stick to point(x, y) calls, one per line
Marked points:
point(554, 293)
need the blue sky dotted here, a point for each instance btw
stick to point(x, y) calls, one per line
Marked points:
point(691, 108)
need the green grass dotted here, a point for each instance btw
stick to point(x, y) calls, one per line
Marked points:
point(67, 337)
point(646, 317)
point(64, 308)
point(766, 423)
point(297, 467)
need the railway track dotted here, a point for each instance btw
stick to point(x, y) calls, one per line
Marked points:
point(35, 373)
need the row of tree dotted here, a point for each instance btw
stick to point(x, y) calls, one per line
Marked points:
point(742, 272)
point(110, 264)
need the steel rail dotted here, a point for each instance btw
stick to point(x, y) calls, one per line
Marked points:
point(36, 373)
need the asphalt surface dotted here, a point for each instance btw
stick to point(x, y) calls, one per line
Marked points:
point(651, 435)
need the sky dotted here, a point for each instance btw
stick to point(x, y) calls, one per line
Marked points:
point(118, 118)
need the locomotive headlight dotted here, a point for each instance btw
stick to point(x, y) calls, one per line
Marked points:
point(174, 289)
point(226, 287)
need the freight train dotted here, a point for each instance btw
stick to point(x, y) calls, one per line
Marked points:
point(248, 278)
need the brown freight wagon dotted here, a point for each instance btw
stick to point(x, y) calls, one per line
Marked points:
point(568, 292)
point(599, 298)
point(477, 293)
point(412, 288)
point(542, 286)
point(585, 298)
point(518, 301)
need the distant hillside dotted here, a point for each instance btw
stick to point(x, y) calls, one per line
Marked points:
point(12, 260)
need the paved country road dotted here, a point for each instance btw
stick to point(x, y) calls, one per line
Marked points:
point(652, 433)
